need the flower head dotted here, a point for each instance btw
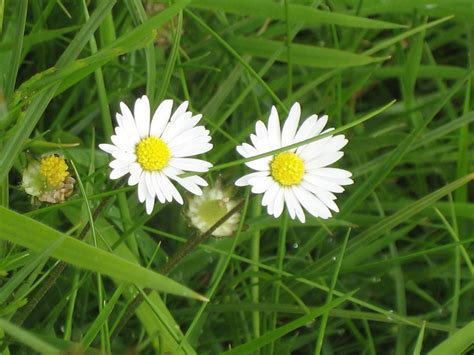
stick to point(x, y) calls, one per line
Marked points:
point(205, 210)
point(300, 177)
point(156, 149)
point(48, 179)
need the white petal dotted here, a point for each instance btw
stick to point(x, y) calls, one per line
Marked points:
point(141, 113)
point(244, 180)
point(172, 189)
point(261, 184)
point(114, 164)
point(158, 190)
point(325, 160)
point(278, 203)
point(180, 110)
point(262, 164)
point(326, 197)
point(108, 148)
point(262, 134)
point(150, 203)
point(269, 195)
point(191, 150)
point(290, 202)
point(142, 190)
point(332, 173)
point(164, 187)
point(188, 184)
point(118, 173)
point(306, 129)
point(161, 118)
point(296, 205)
point(323, 183)
point(274, 133)
point(129, 124)
point(190, 164)
point(291, 125)
point(135, 173)
point(174, 128)
point(311, 203)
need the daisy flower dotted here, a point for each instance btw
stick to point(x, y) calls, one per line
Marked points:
point(155, 150)
point(300, 177)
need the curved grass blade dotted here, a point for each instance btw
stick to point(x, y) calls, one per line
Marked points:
point(37, 236)
point(296, 13)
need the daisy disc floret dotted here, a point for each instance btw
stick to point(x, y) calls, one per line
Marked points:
point(156, 150)
point(299, 178)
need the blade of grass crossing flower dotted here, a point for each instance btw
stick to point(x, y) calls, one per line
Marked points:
point(28, 338)
point(307, 141)
point(278, 333)
point(219, 274)
point(36, 236)
point(324, 320)
point(24, 127)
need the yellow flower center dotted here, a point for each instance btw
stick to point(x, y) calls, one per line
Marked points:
point(287, 168)
point(152, 154)
point(54, 169)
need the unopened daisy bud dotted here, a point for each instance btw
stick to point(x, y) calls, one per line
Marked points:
point(48, 179)
point(214, 203)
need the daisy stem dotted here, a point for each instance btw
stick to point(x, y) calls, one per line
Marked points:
point(279, 264)
point(179, 255)
point(255, 257)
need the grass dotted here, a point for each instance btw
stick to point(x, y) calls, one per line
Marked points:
point(391, 273)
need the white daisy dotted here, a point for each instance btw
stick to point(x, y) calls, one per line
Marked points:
point(155, 150)
point(298, 178)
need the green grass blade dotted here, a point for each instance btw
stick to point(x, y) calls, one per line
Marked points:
point(37, 236)
point(35, 110)
point(457, 343)
point(310, 16)
point(310, 56)
point(28, 338)
point(278, 333)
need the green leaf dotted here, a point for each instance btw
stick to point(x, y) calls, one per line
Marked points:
point(297, 14)
point(33, 113)
point(310, 56)
point(36, 236)
point(457, 343)
point(27, 338)
point(269, 337)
